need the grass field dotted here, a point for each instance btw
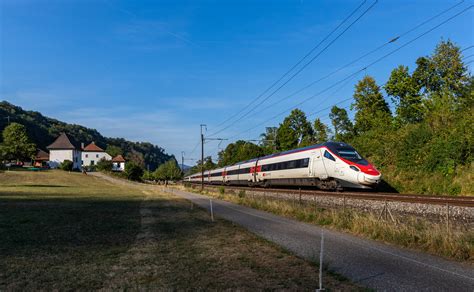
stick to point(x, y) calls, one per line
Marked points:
point(64, 230)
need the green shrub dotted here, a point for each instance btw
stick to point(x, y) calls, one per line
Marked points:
point(66, 165)
point(221, 190)
point(241, 194)
point(104, 165)
point(133, 171)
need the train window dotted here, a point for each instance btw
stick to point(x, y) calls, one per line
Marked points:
point(305, 162)
point(329, 156)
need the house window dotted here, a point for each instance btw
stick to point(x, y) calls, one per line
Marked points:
point(92, 162)
point(97, 156)
point(87, 155)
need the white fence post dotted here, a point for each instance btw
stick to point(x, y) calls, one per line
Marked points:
point(212, 211)
point(321, 253)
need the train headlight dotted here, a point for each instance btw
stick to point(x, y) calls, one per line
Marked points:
point(354, 168)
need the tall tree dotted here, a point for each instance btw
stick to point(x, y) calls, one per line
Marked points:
point(444, 80)
point(321, 131)
point(444, 71)
point(239, 151)
point(16, 143)
point(268, 140)
point(372, 109)
point(405, 94)
point(294, 131)
point(343, 128)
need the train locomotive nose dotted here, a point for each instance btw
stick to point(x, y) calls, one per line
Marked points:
point(369, 176)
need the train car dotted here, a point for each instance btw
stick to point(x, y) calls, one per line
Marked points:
point(330, 166)
point(216, 176)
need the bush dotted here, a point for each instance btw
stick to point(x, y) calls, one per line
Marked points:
point(104, 165)
point(133, 171)
point(241, 194)
point(66, 165)
point(221, 190)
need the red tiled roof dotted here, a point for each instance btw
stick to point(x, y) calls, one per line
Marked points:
point(41, 155)
point(92, 148)
point(62, 142)
point(118, 158)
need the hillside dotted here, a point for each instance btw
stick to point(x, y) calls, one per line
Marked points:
point(44, 130)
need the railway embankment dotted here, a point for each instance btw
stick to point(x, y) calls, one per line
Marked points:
point(436, 208)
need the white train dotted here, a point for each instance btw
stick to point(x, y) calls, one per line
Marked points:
point(327, 166)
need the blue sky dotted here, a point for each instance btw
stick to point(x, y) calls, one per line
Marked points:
point(155, 70)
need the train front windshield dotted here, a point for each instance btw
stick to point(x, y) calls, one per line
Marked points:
point(351, 155)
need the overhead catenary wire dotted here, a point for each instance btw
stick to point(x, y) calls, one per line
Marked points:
point(358, 71)
point(392, 40)
point(294, 66)
point(302, 68)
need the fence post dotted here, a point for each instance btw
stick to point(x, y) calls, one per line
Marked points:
point(321, 253)
point(447, 217)
point(212, 211)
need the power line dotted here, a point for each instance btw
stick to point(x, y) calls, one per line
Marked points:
point(348, 64)
point(297, 64)
point(361, 70)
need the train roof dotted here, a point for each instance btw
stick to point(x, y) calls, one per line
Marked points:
point(327, 144)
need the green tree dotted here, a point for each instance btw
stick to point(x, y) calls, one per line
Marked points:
point(113, 150)
point(343, 128)
point(268, 140)
point(16, 143)
point(239, 151)
point(168, 171)
point(444, 71)
point(133, 171)
point(321, 131)
point(295, 131)
point(405, 93)
point(372, 109)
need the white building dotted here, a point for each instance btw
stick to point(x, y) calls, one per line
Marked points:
point(62, 149)
point(118, 163)
point(91, 154)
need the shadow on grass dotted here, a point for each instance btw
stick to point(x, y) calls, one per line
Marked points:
point(38, 186)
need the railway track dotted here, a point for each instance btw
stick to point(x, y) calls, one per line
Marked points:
point(375, 196)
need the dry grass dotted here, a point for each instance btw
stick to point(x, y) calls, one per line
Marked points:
point(68, 231)
point(411, 232)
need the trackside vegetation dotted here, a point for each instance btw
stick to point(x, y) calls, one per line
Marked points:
point(424, 146)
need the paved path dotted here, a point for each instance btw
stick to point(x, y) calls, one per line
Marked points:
point(372, 264)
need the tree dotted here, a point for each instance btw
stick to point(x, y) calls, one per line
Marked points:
point(268, 140)
point(239, 151)
point(113, 150)
point(405, 93)
point(16, 143)
point(444, 71)
point(294, 131)
point(133, 171)
point(168, 171)
point(208, 165)
point(343, 127)
point(137, 158)
point(104, 165)
point(321, 132)
point(372, 109)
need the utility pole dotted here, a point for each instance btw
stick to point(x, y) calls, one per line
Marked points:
point(203, 140)
point(202, 157)
point(8, 119)
point(182, 161)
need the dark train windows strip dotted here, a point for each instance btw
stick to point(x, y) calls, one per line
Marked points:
point(292, 164)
